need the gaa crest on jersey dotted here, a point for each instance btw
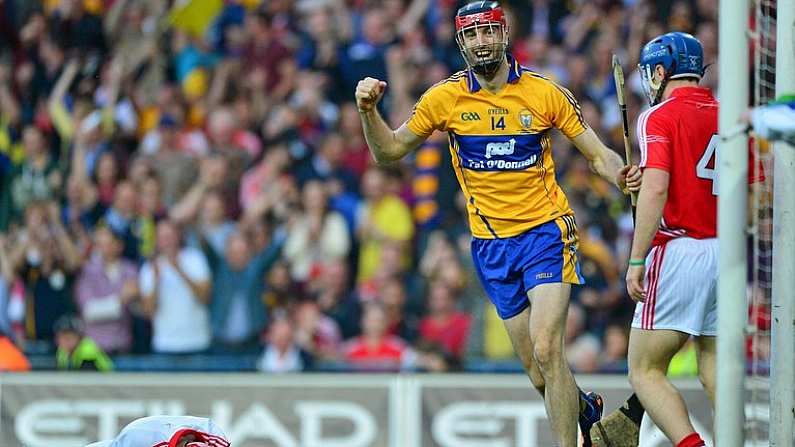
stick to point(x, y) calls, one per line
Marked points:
point(525, 119)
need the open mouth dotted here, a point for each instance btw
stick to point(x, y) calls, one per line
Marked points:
point(482, 53)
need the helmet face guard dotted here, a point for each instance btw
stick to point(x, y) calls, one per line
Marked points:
point(652, 87)
point(482, 38)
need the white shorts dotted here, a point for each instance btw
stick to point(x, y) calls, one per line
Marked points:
point(681, 288)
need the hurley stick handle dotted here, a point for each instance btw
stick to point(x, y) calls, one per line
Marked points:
point(618, 76)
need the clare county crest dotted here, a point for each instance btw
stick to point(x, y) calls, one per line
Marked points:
point(525, 118)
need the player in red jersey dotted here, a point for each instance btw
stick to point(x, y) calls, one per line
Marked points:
point(169, 431)
point(673, 262)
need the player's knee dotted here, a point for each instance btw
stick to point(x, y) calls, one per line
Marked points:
point(525, 353)
point(527, 364)
point(706, 379)
point(640, 379)
point(548, 353)
point(536, 378)
point(640, 375)
point(635, 378)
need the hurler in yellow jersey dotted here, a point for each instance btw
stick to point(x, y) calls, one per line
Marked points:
point(498, 116)
point(500, 146)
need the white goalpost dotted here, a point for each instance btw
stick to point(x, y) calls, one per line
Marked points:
point(732, 161)
point(782, 371)
point(763, 391)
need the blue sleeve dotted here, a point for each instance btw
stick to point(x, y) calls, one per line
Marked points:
point(268, 256)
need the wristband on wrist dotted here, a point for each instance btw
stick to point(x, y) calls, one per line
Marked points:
point(637, 262)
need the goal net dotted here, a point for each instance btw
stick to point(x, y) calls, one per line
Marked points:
point(761, 233)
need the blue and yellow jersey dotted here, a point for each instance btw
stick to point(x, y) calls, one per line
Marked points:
point(501, 148)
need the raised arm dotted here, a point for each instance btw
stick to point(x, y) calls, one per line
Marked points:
point(211, 175)
point(385, 144)
point(61, 118)
point(606, 162)
point(114, 17)
point(64, 81)
point(67, 247)
point(186, 209)
point(265, 259)
point(413, 15)
point(116, 76)
point(201, 288)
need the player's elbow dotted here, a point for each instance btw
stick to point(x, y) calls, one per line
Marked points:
point(597, 162)
point(387, 155)
point(655, 183)
point(387, 162)
point(654, 193)
point(382, 160)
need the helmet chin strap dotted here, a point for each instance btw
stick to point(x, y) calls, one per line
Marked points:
point(490, 68)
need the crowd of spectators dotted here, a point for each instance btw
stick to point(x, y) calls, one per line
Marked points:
point(192, 178)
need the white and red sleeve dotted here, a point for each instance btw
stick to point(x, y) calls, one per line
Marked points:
point(654, 139)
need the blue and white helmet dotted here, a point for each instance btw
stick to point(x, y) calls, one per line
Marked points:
point(680, 55)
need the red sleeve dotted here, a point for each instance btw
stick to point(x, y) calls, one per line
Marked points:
point(654, 141)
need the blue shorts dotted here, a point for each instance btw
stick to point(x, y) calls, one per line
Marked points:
point(508, 268)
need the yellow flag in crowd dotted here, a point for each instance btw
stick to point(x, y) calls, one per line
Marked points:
point(194, 16)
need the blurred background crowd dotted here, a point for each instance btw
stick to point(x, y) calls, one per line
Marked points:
point(188, 180)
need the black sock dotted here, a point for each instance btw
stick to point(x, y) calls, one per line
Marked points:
point(633, 409)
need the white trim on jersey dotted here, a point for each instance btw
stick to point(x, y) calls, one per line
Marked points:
point(668, 231)
point(641, 131)
point(673, 234)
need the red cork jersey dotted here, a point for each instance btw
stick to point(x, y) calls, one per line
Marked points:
point(680, 136)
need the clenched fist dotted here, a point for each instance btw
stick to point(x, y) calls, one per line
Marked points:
point(368, 92)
